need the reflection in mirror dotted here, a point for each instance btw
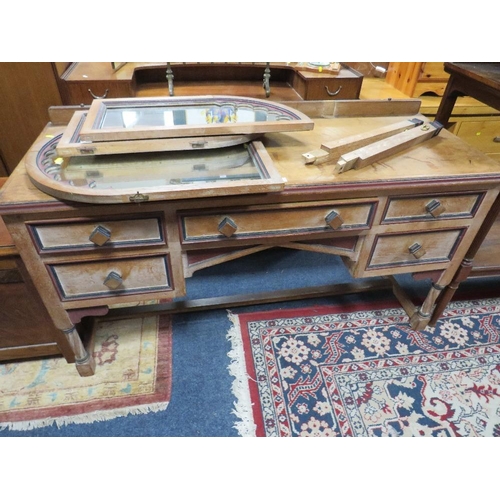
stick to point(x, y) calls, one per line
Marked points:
point(165, 116)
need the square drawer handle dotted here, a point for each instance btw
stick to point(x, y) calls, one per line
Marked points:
point(113, 280)
point(417, 250)
point(227, 227)
point(100, 235)
point(334, 220)
point(435, 208)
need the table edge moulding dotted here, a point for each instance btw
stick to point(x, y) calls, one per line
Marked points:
point(415, 210)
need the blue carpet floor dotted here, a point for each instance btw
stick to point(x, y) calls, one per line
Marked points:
point(202, 403)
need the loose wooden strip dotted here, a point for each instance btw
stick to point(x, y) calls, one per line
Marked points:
point(379, 150)
point(332, 151)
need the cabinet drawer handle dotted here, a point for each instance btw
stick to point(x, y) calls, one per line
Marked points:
point(496, 139)
point(416, 250)
point(113, 280)
point(334, 220)
point(100, 235)
point(227, 227)
point(198, 144)
point(435, 208)
point(332, 94)
point(103, 96)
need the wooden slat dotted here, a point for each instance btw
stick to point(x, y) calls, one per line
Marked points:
point(181, 306)
point(357, 107)
point(332, 151)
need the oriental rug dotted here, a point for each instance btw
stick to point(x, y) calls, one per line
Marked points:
point(332, 372)
point(133, 376)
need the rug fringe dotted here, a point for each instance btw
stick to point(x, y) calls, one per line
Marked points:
point(243, 405)
point(87, 418)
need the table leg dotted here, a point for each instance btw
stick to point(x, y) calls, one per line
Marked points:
point(84, 361)
point(466, 266)
point(422, 315)
point(447, 102)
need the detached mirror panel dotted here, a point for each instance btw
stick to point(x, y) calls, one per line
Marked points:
point(141, 177)
point(137, 119)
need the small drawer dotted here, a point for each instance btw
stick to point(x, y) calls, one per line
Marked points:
point(96, 234)
point(422, 208)
point(112, 277)
point(395, 250)
point(313, 85)
point(331, 88)
point(276, 222)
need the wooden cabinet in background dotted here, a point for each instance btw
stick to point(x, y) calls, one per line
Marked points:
point(417, 78)
point(473, 121)
point(85, 81)
point(27, 91)
point(482, 133)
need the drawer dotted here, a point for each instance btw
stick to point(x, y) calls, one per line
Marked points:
point(327, 88)
point(276, 222)
point(394, 250)
point(79, 93)
point(112, 277)
point(73, 236)
point(421, 208)
point(483, 135)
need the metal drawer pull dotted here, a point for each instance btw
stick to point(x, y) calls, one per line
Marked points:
point(103, 96)
point(416, 250)
point(331, 94)
point(496, 139)
point(113, 280)
point(334, 220)
point(227, 227)
point(100, 235)
point(198, 144)
point(435, 208)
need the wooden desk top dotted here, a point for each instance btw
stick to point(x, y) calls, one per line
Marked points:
point(444, 158)
point(487, 73)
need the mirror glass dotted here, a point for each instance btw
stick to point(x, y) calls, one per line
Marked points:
point(170, 116)
point(163, 169)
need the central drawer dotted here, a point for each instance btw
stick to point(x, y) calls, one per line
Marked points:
point(73, 236)
point(112, 277)
point(241, 224)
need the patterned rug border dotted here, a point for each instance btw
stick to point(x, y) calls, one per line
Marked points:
point(245, 387)
point(78, 413)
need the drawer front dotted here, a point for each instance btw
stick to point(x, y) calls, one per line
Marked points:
point(412, 249)
point(279, 222)
point(333, 88)
point(86, 92)
point(483, 135)
point(112, 277)
point(89, 235)
point(431, 208)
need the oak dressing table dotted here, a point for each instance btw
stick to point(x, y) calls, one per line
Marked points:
point(416, 212)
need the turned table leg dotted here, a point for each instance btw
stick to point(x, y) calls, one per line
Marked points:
point(467, 264)
point(84, 361)
point(422, 316)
